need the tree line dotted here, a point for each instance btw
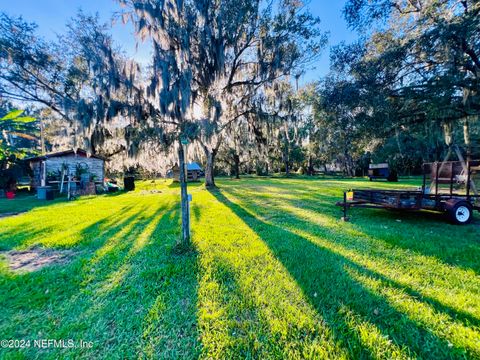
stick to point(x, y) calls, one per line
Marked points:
point(224, 78)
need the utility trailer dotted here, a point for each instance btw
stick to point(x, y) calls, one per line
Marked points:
point(448, 187)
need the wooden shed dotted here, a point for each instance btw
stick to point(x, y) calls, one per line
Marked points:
point(194, 172)
point(50, 167)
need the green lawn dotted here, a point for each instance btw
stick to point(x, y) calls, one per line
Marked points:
point(275, 274)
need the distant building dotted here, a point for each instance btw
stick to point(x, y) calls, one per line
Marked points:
point(50, 167)
point(194, 172)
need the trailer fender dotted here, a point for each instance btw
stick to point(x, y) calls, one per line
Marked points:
point(459, 211)
point(451, 203)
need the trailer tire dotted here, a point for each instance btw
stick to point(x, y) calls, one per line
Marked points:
point(461, 213)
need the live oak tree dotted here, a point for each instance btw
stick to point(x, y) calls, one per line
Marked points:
point(413, 74)
point(434, 49)
point(30, 68)
point(337, 117)
point(268, 45)
point(81, 77)
point(284, 108)
point(226, 50)
point(210, 56)
point(237, 145)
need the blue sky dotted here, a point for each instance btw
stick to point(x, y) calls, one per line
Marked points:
point(51, 16)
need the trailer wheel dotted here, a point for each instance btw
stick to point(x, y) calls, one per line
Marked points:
point(461, 213)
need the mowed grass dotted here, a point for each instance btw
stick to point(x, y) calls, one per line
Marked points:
point(275, 274)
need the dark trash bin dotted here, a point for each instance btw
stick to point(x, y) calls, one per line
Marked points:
point(50, 194)
point(129, 183)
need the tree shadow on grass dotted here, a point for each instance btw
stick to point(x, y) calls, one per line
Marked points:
point(32, 232)
point(425, 232)
point(16, 238)
point(125, 292)
point(196, 211)
point(348, 305)
point(23, 288)
point(378, 249)
point(191, 184)
point(26, 203)
point(233, 326)
point(429, 233)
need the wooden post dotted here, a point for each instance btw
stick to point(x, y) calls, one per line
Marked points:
point(424, 185)
point(468, 180)
point(61, 180)
point(466, 168)
point(68, 185)
point(184, 197)
point(451, 178)
point(42, 135)
point(43, 180)
point(186, 160)
point(437, 202)
point(345, 217)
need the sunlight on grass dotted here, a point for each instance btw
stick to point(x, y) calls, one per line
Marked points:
point(113, 280)
point(144, 238)
point(464, 340)
point(274, 274)
point(248, 303)
point(430, 276)
point(370, 337)
point(117, 240)
point(424, 274)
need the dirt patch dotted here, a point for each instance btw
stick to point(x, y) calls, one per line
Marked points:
point(144, 192)
point(35, 259)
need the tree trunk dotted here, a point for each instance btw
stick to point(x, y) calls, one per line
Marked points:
point(236, 165)
point(448, 133)
point(209, 169)
point(184, 198)
point(285, 156)
point(348, 164)
point(311, 170)
point(399, 144)
point(348, 161)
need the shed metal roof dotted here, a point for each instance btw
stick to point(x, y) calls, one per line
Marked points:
point(80, 152)
point(193, 167)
